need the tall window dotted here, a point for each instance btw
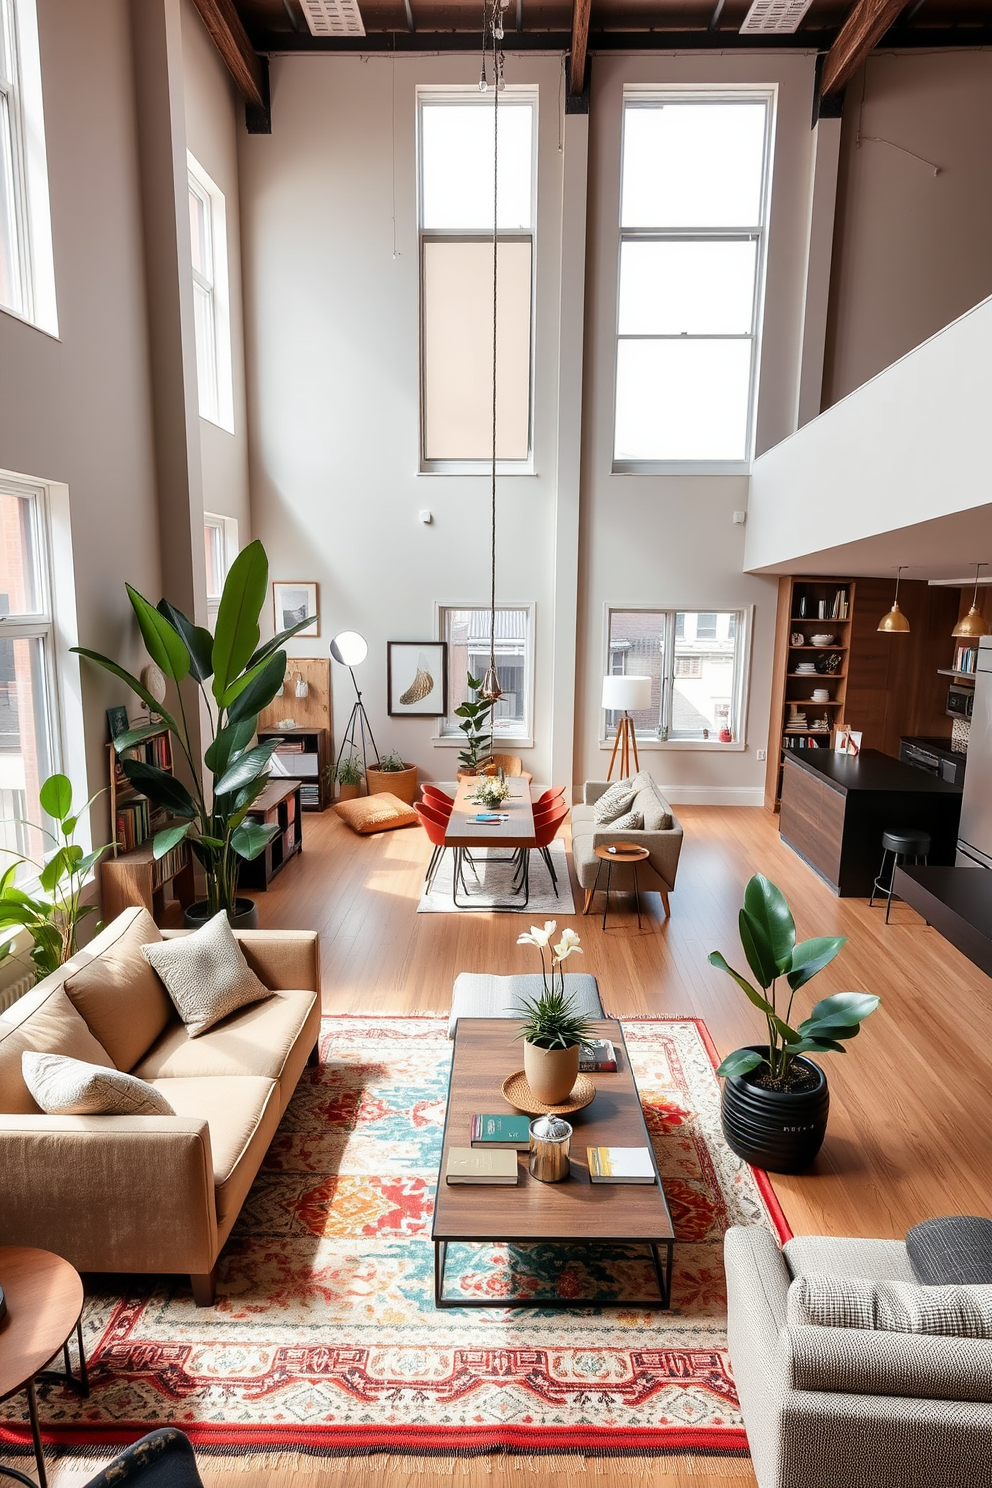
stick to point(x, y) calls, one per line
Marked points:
point(220, 548)
point(27, 675)
point(211, 297)
point(27, 276)
point(693, 211)
point(456, 224)
point(467, 634)
point(696, 661)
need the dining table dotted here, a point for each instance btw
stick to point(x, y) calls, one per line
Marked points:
point(514, 831)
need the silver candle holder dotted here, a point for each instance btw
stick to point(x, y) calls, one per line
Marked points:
point(548, 1152)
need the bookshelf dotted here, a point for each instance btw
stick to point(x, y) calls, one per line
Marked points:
point(132, 875)
point(302, 757)
point(279, 805)
point(807, 607)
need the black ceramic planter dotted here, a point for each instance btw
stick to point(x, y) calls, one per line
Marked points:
point(780, 1130)
point(245, 915)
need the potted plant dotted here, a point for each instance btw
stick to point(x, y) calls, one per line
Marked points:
point(491, 793)
point(392, 773)
point(53, 913)
point(775, 1100)
point(211, 813)
point(553, 1031)
point(348, 775)
point(476, 725)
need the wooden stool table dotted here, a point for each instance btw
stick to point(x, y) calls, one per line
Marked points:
point(622, 852)
point(44, 1298)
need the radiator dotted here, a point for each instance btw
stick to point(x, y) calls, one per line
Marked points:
point(13, 990)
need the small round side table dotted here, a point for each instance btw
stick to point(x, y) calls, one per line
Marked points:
point(627, 853)
point(44, 1305)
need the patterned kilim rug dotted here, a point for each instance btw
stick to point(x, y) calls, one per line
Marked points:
point(325, 1338)
point(490, 886)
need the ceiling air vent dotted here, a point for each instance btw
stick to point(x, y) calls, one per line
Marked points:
point(774, 15)
point(335, 17)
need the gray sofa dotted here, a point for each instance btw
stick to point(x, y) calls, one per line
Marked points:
point(663, 844)
point(850, 1407)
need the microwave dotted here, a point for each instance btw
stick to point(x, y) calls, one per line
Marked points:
point(960, 701)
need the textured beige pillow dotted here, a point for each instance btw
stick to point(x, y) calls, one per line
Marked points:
point(378, 813)
point(120, 998)
point(890, 1306)
point(70, 1087)
point(45, 1023)
point(205, 974)
point(614, 802)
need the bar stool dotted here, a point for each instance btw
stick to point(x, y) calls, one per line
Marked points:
point(903, 845)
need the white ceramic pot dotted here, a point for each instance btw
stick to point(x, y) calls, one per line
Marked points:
point(822, 640)
point(551, 1073)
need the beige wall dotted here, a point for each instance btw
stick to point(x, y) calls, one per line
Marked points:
point(912, 250)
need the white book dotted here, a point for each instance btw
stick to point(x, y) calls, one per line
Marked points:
point(490, 1165)
point(620, 1165)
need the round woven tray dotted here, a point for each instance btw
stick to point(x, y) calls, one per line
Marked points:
point(519, 1094)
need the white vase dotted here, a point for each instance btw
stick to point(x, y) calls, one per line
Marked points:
point(551, 1073)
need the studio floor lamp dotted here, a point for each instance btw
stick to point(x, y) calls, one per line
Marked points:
point(350, 649)
point(625, 695)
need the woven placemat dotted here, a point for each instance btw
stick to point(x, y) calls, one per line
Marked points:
point(517, 1091)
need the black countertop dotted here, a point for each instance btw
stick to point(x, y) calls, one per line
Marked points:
point(868, 771)
point(955, 901)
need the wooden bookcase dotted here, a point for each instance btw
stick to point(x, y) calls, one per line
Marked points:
point(303, 758)
point(132, 875)
point(801, 606)
point(279, 803)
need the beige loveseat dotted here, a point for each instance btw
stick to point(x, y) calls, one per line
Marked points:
point(151, 1193)
point(664, 843)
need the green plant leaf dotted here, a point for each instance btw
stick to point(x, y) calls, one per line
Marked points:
point(844, 1008)
point(136, 736)
point(198, 641)
point(163, 642)
point(766, 903)
point(753, 995)
point(466, 710)
point(260, 690)
point(161, 788)
point(169, 838)
point(252, 838)
point(56, 796)
point(84, 864)
point(56, 868)
point(815, 1046)
point(246, 768)
point(278, 641)
point(811, 956)
point(740, 1062)
point(228, 741)
point(136, 687)
point(236, 631)
point(756, 948)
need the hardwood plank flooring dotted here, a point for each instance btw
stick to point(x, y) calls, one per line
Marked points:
point(911, 1119)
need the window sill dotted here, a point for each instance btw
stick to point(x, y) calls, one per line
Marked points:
point(443, 741)
point(681, 467)
point(35, 325)
point(736, 747)
point(476, 467)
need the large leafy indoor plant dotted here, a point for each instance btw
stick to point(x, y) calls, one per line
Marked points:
point(553, 1030)
point(775, 1100)
point(243, 677)
point(477, 726)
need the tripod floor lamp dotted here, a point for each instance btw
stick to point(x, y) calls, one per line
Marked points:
point(625, 695)
point(350, 649)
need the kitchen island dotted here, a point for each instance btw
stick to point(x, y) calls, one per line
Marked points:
point(835, 808)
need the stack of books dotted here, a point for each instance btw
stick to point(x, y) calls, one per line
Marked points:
point(133, 825)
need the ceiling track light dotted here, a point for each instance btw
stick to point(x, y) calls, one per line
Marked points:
point(894, 622)
point(974, 624)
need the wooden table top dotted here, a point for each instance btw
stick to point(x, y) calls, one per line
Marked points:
point(626, 852)
point(275, 792)
point(574, 1209)
point(463, 831)
point(44, 1299)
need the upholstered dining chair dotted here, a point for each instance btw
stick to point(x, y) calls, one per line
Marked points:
point(546, 826)
point(434, 823)
point(437, 798)
point(548, 798)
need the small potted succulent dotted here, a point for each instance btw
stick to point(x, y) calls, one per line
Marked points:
point(775, 1101)
point(394, 774)
point(349, 775)
point(553, 1030)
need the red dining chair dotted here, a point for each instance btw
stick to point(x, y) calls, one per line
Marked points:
point(546, 826)
point(549, 798)
point(437, 798)
point(434, 824)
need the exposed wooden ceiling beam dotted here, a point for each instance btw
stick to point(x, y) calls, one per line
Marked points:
point(231, 40)
point(864, 28)
point(580, 45)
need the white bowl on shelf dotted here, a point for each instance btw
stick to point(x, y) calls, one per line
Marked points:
point(822, 640)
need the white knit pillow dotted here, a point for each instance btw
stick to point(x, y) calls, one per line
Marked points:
point(890, 1306)
point(631, 821)
point(71, 1087)
point(205, 974)
point(614, 801)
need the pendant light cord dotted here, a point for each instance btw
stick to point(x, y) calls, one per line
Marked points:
point(497, 79)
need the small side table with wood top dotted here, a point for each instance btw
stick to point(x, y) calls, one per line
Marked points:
point(44, 1300)
point(627, 853)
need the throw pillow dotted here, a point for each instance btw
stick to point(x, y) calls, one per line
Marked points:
point(205, 974)
point(890, 1306)
point(631, 821)
point(378, 813)
point(955, 1249)
point(70, 1087)
point(118, 995)
point(614, 801)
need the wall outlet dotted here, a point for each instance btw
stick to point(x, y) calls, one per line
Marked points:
point(761, 754)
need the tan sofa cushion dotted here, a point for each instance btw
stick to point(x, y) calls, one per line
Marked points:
point(242, 1112)
point(255, 1041)
point(118, 995)
point(45, 1023)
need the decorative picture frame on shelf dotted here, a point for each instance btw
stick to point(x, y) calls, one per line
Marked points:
point(417, 678)
point(117, 721)
point(293, 600)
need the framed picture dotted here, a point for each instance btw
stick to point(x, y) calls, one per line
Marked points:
point(417, 678)
point(117, 722)
point(292, 601)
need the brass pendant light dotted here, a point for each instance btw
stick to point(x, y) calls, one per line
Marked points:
point(894, 621)
point(974, 624)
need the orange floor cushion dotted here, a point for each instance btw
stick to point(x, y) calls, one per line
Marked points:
point(378, 813)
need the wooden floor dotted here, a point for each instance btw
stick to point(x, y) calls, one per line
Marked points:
point(911, 1117)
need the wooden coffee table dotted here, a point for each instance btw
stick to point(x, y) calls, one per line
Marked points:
point(572, 1213)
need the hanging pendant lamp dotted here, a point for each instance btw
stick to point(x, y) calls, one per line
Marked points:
point(974, 624)
point(894, 621)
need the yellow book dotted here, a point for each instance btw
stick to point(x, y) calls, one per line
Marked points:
point(492, 1165)
point(620, 1165)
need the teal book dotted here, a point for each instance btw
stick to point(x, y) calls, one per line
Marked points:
point(501, 1131)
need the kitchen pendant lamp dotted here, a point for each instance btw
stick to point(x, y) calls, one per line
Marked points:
point(895, 621)
point(974, 624)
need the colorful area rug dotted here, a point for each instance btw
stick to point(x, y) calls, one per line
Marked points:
point(325, 1338)
point(491, 886)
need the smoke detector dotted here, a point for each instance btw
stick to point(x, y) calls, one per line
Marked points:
point(335, 17)
point(774, 15)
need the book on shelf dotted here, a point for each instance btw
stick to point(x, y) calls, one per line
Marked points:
point(133, 825)
point(172, 863)
point(620, 1165)
point(290, 746)
point(466, 1165)
point(598, 1057)
point(495, 1132)
point(966, 659)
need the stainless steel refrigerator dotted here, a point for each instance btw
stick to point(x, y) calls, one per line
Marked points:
point(975, 839)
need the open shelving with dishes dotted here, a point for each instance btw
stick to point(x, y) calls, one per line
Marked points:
point(132, 874)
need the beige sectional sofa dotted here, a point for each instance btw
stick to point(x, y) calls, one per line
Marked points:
point(151, 1193)
point(664, 841)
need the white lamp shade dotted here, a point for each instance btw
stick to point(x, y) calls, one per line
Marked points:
point(349, 648)
point(625, 694)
